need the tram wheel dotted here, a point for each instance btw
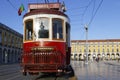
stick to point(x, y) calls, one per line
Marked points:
point(69, 71)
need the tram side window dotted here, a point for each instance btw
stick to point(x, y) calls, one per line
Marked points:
point(67, 33)
point(28, 30)
point(57, 29)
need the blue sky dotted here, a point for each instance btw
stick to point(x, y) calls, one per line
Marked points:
point(105, 24)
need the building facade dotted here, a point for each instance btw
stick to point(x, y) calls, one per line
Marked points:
point(108, 49)
point(10, 45)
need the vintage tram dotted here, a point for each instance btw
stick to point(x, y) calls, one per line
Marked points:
point(46, 40)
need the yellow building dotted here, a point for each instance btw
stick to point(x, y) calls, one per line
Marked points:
point(10, 45)
point(108, 49)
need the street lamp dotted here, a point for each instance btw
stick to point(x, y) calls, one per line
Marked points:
point(86, 28)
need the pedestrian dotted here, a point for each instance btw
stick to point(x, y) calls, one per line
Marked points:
point(97, 59)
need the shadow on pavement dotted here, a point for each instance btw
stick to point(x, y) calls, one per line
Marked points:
point(46, 76)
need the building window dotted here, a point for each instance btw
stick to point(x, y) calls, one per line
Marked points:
point(108, 50)
point(108, 44)
point(117, 44)
point(103, 50)
point(112, 50)
point(89, 45)
point(98, 50)
point(84, 50)
point(5, 37)
point(80, 50)
point(0, 51)
point(93, 44)
point(0, 37)
point(9, 41)
point(117, 50)
point(98, 44)
point(12, 39)
point(112, 44)
point(89, 51)
point(103, 45)
point(57, 25)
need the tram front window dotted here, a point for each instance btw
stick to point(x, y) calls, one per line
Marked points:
point(57, 29)
point(43, 31)
point(28, 30)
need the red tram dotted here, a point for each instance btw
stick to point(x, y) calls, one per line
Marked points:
point(46, 43)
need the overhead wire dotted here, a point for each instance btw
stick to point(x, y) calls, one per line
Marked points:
point(82, 7)
point(46, 1)
point(12, 4)
point(85, 11)
point(93, 8)
point(95, 12)
point(75, 14)
point(16, 9)
point(58, 1)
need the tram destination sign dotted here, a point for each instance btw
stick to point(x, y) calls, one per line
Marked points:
point(44, 6)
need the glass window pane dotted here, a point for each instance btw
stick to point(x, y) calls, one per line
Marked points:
point(43, 26)
point(57, 29)
point(28, 30)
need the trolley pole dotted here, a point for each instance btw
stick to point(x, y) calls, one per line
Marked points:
point(86, 28)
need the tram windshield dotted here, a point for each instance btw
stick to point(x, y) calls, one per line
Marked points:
point(57, 29)
point(43, 27)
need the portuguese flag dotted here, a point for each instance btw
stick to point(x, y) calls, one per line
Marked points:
point(21, 9)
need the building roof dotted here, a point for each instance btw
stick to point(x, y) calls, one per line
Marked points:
point(104, 40)
point(3, 26)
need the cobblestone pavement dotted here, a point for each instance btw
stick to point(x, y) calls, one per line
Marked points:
point(107, 70)
point(12, 72)
point(103, 70)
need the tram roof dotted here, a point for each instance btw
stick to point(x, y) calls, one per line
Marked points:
point(46, 8)
point(45, 11)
